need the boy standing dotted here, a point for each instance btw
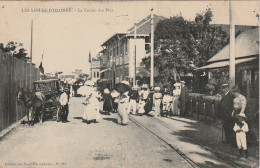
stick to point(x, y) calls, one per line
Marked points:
point(241, 128)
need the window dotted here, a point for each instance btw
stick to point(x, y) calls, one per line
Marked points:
point(97, 74)
point(94, 74)
point(126, 45)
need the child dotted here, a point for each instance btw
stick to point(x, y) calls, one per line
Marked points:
point(241, 128)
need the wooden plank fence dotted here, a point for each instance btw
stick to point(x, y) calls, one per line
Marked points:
point(14, 73)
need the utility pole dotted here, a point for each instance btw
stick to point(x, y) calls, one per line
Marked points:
point(152, 52)
point(232, 49)
point(134, 80)
point(30, 84)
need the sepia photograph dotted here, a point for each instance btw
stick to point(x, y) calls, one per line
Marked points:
point(129, 84)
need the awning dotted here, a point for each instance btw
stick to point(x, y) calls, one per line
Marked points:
point(225, 63)
point(104, 70)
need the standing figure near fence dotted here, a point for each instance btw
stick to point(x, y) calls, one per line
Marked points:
point(226, 109)
point(133, 100)
point(241, 128)
point(108, 104)
point(176, 94)
point(157, 97)
point(183, 98)
point(239, 101)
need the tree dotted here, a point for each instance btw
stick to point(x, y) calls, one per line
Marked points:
point(15, 49)
point(182, 45)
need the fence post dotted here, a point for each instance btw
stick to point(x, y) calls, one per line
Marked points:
point(197, 108)
point(204, 110)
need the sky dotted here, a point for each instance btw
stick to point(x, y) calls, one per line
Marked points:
point(66, 32)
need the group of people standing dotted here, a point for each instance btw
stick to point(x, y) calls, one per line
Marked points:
point(145, 100)
point(233, 106)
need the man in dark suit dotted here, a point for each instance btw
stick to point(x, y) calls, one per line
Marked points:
point(226, 108)
point(183, 98)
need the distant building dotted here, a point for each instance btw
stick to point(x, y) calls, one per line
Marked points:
point(95, 69)
point(122, 53)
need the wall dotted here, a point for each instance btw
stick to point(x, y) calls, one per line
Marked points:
point(14, 73)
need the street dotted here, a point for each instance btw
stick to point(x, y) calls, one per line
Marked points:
point(76, 144)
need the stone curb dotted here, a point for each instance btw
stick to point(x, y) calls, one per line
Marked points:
point(7, 130)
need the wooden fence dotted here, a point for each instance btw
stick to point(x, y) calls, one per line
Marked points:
point(14, 73)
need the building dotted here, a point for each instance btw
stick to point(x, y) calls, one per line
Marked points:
point(95, 69)
point(247, 63)
point(122, 53)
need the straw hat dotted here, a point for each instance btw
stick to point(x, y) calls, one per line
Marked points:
point(144, 86)
point(235, 89)
point(106, 91)
point(183, 82)
point(135, 87)
point(177, 84)
point(157, 88)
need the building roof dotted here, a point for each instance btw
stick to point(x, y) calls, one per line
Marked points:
point(114, 36)
point(247, 44)
point(144, 26)
point(226, 63)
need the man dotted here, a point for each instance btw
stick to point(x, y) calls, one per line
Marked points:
point(183, 98)
point(226, 105)
point(64, 99)
point(134, 97)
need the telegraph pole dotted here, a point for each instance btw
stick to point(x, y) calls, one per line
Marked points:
point(152, 52)
point(232, 49)
point(134, 80)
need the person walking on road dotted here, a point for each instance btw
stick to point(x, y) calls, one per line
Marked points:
point(143, 99)
point(122, 117)
point(134, 98)
point(157, 101)
point(183, 98)
point(91, 112)
point(240, 129)
point(114, 95)
point(149, 103)
point(107, 105)
point(226, 106)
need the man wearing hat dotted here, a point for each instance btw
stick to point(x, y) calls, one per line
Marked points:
point(143, 99)
point(226, 106)
point(133, 99)
point(183, 98)
point(64, 99)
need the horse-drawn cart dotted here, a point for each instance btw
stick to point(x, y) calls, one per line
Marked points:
point(51, 89)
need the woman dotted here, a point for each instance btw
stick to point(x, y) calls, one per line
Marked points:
point(107, 106)
point(91, 113)
point(157, 101)
point(114, 95)
point(122, 109)
point(149, 104)
point(239, 105)
point(143, 99)
point(176, 95)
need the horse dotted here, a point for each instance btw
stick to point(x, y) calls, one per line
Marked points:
point(34, 103)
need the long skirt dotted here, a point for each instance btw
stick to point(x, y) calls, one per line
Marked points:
point(108, 105)
point(175, 108)
point(141, 106)
point(122, 117)
point(157, 107)
point(91, 112)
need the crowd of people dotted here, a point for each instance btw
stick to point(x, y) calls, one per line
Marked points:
point(159, 102)
point(136, 100)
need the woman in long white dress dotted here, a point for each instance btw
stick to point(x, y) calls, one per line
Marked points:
point(122, 117)
point(157, 101)
point(91, 112)
point(176, 95)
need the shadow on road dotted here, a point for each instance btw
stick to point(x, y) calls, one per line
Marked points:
point(77, 118)
point(111, 119)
